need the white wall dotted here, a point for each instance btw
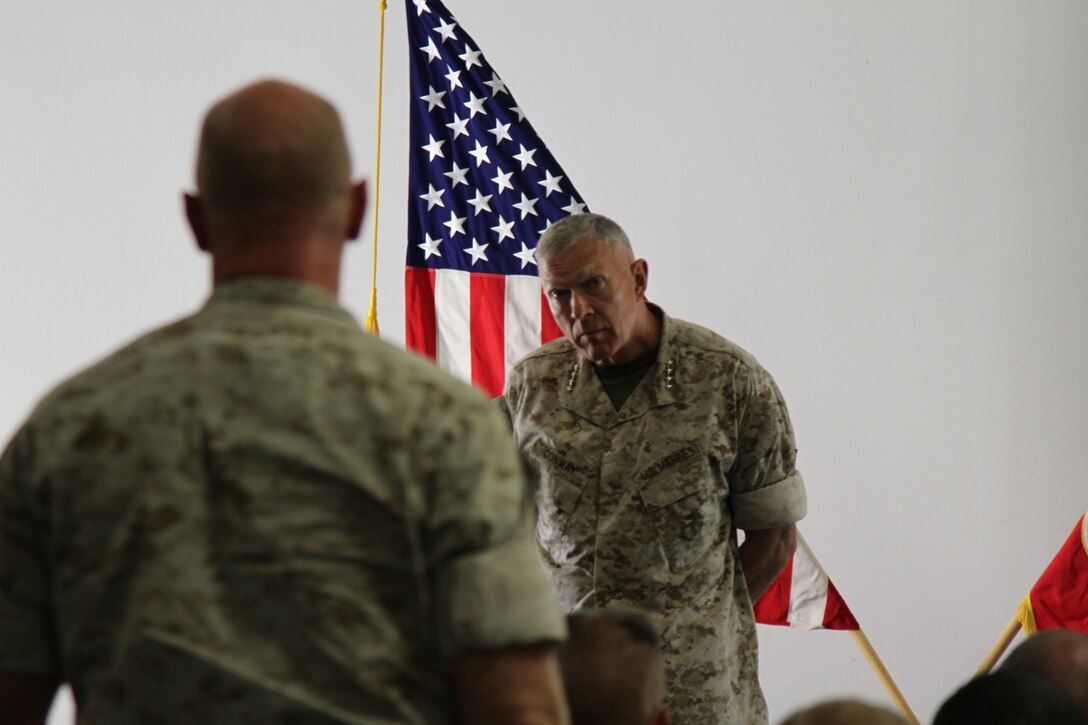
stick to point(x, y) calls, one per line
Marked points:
point(884, 201)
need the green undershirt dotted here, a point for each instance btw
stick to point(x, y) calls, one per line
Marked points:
point(619, 381)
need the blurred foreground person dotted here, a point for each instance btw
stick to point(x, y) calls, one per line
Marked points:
point(844, 712)
point(613, 670)
point(1058, 655)
point(1009, 698)
point(260, 513)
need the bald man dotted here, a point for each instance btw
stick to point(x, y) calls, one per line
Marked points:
point(259, 513)
point(844, 711)
point(1058, 655)
point(613, 669)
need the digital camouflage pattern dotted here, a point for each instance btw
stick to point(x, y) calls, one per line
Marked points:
point(639, 507)
point(261, 514)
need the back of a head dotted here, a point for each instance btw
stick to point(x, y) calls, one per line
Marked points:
point(1009, 698)
point(844, 712)
point(1060, 656)
point(269, 148)
point(613, 670)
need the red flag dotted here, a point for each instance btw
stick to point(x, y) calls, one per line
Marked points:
point(1059, 600)
point(803, 596)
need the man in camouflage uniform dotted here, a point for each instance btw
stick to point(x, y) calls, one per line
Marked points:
point(657, 440)
point(260, 513)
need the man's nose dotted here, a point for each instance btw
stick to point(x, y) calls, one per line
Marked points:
point(579, 305)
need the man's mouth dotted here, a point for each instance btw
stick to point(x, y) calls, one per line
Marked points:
point(589, 336)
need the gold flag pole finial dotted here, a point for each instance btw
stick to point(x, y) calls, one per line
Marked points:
point(372, 313)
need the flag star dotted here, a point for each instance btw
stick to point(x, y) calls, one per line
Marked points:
point(459, 126)
point(430, 246)
point(547, 226)
point(526, 206)
point(421, 6)
point(475, 105)
point(457, 176)
point(431, 50)
point(550, 183)
point(446, 30)
point(480, 202)
point(496, 85)
point(434, 148)
point(503, 181)
point(526, 255)
point(477, 252)
point(456, 224)
point(517, 110)
point(433, 98)
point(454, 77)
point(480, 154)
point(433, 197)
point(501, 131)
point(471, 58)
point(525, 157)
point(503, 229)
point(575, 207)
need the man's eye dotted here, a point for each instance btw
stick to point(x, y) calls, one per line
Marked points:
point(557, 294)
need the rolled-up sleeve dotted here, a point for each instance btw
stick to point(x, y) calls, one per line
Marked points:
point(497, 597)
point(772, 506)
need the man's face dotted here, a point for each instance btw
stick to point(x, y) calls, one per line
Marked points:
point(596, 293)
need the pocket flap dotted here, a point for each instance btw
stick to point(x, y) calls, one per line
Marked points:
point(675, 476)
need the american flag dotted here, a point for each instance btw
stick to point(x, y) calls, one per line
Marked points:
point(481, 189)
point(803, 596)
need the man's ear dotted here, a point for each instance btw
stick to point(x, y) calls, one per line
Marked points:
point(194, 212)
point(664, 717)
point(357, 209)
point(641, 272)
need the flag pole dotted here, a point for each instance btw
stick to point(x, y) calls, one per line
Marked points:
point(873, 658)
point(1011, 630)
point(372, 312)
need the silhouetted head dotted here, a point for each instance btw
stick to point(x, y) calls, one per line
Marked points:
point(613, 670)
point(1010, 698)
point(1058, 655)
point(844, 711)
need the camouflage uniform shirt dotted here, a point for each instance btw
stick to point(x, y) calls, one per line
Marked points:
point(639, 507)
point(262, 514)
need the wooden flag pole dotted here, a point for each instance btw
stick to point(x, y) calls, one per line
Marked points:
point(882, 672)
point(1002, 644)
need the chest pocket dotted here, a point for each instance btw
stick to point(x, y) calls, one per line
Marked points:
point(685, 510)
point(560, 489)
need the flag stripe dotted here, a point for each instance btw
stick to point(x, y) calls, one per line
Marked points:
point(836, 614)
point(774, 606)
point(808, 590)
point(487, 326)
point(451, 305)
point(420, 328)
point(523, 320)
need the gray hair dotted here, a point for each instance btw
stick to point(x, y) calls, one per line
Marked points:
point(570, 230)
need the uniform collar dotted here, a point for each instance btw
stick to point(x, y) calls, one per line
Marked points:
point(582, 393)
point(277, 291)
